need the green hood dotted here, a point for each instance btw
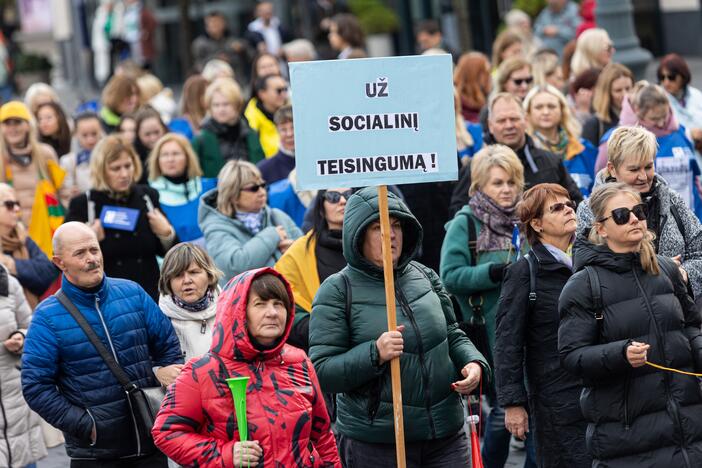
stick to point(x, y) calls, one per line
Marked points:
point(362, 210)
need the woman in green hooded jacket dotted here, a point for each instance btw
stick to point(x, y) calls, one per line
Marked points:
point(351, 347)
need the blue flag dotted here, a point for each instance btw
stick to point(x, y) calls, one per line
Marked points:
point(516, 242)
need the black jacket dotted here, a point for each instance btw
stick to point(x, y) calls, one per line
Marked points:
point(594, 128)
point(130, 255)
point(638, 417)
point(549, 167)
point(531, 337)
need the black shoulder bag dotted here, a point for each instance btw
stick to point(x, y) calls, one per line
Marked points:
point(144, 403)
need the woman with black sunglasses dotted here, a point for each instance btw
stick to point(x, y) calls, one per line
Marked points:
point(623, 309)
point(631, 153)
point(528, 372)
point(241, 231)
point(314, 257)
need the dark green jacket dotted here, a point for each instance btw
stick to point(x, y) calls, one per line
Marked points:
point(208, 147)
point(343, 349)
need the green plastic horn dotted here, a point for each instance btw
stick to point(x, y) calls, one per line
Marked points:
point(237, 385)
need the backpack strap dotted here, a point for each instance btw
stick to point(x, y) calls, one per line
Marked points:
point(532, 261)
point(475, 300)
point(596, 291)
point(678, 220)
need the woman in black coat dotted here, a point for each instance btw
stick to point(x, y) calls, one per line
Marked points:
point(623, 308)
point(531, 333)
point(129, 251)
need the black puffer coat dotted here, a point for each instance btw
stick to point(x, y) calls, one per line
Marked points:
point(553, 395)
point(639, 417)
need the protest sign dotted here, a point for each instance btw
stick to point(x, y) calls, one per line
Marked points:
point(379, 121)
point(382, 121)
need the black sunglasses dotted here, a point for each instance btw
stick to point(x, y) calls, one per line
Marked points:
point(521, 81)
point(11, 204)
point(670, 77)
point(254, 188)
point(560, 206)
point(621, 216)
point(281, 90)
point(335, 197)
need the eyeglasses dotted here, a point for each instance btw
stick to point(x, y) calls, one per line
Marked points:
point(610, 47)
point(520, 81)
point(11, 204)
point(335, 197)
point(254, 188)
point(672, 76)
point(621, 216)
point(560, 206)
point(281, 90)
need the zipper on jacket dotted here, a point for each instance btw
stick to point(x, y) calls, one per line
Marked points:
point(4, 431)
point(674, 406)
point(114, 353)
point(203, 326)
point(404, 305)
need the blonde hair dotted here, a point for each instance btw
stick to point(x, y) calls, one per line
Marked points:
point(598, 204)
point(234, 175)
point(217, 68)
point(568, 122)
point(462, 135)
point(192, 164)
point(40, 153)
point(505, 70)
point(647, 96)
point(228, 88)
point(179, 258)
point(35, 91)
point(149, 86)
point(108, 150)
point(602, 95)
point(543, 66)
point(590, 43)
point(489, 157)
point(627, 142)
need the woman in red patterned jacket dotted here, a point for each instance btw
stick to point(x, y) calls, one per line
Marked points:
point(287, 420)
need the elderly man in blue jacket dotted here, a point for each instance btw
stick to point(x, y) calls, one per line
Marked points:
point(65, 380)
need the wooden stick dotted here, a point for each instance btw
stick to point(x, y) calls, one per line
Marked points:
point(392, 323)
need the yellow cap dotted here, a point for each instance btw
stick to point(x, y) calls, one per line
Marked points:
point(14, 110)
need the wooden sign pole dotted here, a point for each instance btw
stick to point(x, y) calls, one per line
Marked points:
point(392, 323)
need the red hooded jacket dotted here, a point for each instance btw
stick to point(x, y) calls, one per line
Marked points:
point(286, 414)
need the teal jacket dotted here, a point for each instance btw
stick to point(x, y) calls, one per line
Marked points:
point(233, 247)
point(461, 279)
point(343, 347)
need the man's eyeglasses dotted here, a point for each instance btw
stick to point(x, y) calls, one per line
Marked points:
point(621, 216)
point(281, 90)
point(560, 206)
point(335, 197)
point(254, 188)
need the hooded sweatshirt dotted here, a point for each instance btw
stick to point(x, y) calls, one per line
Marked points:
point(285, 408)
point(343, 337)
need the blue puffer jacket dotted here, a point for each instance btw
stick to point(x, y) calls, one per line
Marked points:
point(66, 381)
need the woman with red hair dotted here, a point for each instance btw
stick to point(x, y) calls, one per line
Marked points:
point(472, 80)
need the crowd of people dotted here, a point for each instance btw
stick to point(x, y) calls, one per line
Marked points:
point(156, 249)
